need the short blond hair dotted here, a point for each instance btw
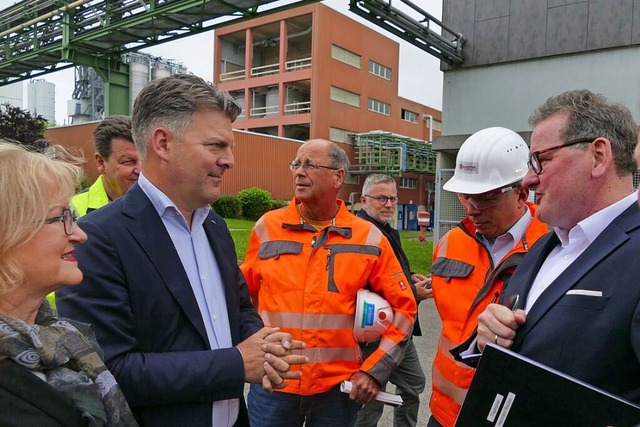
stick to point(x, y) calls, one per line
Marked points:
point(26, 182)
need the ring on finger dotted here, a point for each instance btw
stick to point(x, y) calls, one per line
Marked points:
point(495, 339)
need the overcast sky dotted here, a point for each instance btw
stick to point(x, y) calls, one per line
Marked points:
point(420, 78)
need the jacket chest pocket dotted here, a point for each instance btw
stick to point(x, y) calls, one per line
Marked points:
point(451, 268)
point(276, 248)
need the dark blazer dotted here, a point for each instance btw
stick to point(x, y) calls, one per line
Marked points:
point(26, 400)
point(393, 236)
point(137, 296)
point(593, 338)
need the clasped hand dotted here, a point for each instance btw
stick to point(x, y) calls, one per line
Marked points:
point(267, 357)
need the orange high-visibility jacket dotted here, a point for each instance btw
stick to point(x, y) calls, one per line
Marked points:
point(306, 282)
point(464, 282)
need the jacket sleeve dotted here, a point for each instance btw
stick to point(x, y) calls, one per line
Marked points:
point(388, 280)
point(152, 369)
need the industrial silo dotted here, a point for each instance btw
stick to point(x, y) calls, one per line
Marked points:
point(41, 99)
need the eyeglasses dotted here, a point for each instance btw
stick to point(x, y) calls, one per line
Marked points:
point(384, 199)
point(308, 167)
point(534, 162)
point(486, 200)
point(68, 218)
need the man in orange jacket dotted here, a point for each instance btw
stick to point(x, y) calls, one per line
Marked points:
point(474, 261)
point(304, 266)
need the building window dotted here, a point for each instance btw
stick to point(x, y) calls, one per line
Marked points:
point(379, 70)
point(343, 55)
point(409, 116)
point(352, 179)
point(340, 135)
point(344, 96)
point(408, 183)
point(379, 107)
point(437, 125)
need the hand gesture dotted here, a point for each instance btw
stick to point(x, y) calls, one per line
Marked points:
point(267, 358)
point(498, 324)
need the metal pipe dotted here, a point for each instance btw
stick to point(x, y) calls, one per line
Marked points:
point(44, 17)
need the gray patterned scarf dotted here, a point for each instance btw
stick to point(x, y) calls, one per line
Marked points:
point(70, 364)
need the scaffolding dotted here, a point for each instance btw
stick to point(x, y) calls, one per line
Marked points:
point(392, 154)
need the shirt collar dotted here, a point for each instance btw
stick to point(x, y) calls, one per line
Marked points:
point(591, 227)
point(516, 231)
point(165, 206)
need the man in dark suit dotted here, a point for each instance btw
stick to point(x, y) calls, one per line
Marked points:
point(161, 283)
point(579, 286)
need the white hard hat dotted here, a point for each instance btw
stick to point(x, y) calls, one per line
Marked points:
point(489, 159)
point(374, 315)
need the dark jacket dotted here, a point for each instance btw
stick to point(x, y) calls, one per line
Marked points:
point(26, 400)
point(137, 296)
point(394, 238)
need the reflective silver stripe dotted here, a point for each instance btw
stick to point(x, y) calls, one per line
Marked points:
point(443, 245)
point(332, 354)
point(444, 345)
point(308, 321)
point(447, 387)
point(386, 345)
point(374, 236)
point(261, 230)
point(402, 322)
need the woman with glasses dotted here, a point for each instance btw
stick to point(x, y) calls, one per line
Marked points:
point(51, 374)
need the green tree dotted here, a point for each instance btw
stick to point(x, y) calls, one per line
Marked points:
point(19, 126)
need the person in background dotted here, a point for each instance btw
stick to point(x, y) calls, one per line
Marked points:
point(117, 161)
point(162, 285)
point(50, 372)
point(580, 311)
point(378, 206)
point(474, 261)
point(304, 266)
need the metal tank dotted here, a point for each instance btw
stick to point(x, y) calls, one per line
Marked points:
point(41, 99)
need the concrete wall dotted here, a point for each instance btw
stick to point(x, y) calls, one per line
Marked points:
point(506, 94)
point(510, 30)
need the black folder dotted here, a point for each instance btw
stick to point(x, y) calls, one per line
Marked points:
point(509, 390)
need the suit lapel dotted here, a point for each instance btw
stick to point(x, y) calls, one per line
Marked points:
point(150, 233)
point(526, 273)
point(612, 237)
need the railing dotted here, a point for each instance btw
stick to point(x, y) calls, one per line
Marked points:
point(268, 111)
point(232, 75)
point(265, 70)
point(298, 64)
point(297, 107)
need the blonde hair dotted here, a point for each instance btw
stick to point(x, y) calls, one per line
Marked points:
point(27, 180)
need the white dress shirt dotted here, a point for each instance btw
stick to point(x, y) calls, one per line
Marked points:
point(573, 243)
point(199, 262)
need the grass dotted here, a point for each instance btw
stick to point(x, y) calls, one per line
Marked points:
point(419, 254)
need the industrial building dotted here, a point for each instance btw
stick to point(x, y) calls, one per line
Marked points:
point(299, 72)
point(41, 99)
point(87, 103)
point(519, 53)
point(312, 72)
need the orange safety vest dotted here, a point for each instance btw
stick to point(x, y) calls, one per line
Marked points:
point(464, 282)
point(305, 282)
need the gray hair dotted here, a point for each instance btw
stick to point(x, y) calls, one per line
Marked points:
point(338, 158)
point(374, 179)
point(591, 116)
point(171, 102)
point(108, 129)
